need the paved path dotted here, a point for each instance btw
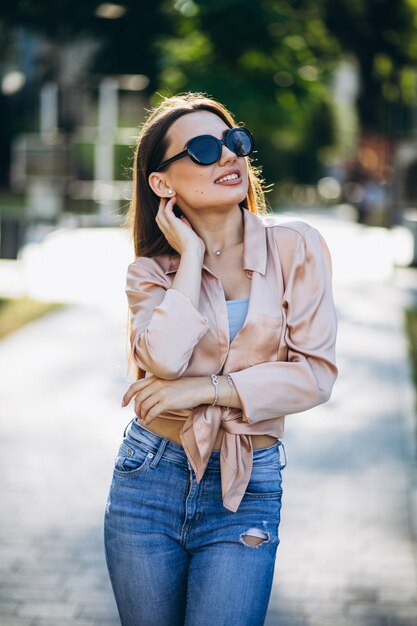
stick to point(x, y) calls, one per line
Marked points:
point(347, 552)
point(347, 543)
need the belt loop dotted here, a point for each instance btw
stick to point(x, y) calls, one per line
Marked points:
point(124, 434)
point(160, 452)
point(281, 443)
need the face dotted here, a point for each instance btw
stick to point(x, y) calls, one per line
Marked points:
point(195, 185)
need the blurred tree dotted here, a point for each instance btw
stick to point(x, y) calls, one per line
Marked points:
point(72, 43)
point(382, 36)
point(268, 61)
point(126, 41)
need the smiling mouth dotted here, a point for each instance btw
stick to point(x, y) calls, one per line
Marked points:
point(228, 178)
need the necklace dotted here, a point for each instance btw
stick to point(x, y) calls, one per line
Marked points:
point(219, 251)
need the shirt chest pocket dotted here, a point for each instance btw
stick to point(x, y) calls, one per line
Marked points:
point(264, 341)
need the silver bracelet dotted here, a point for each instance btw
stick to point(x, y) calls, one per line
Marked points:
point(215, 382)
point(230, 381)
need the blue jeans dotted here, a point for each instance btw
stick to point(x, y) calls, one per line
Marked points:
point(175, 555)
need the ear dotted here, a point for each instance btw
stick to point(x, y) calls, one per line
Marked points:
point(160, 185)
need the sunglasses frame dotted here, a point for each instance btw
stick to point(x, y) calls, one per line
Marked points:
point(220, 144)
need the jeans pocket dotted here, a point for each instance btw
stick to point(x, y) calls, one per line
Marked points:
point(265, 482)
point(132, 458)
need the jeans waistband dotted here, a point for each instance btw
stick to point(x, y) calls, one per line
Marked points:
point(160, 444)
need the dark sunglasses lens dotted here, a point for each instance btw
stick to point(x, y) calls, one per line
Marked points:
point(240, 141)
point(204, 150)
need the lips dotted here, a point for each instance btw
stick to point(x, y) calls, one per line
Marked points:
point(228, 173)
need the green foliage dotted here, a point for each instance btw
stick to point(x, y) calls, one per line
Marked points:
point(382, 36)
point(269, 61)
point(410, 317)
point(126, 44)
point(16, 312)
point(123, 162)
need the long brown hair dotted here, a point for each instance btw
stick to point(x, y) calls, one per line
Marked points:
point(152, 145)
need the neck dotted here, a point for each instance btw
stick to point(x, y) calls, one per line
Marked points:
point(219, 230)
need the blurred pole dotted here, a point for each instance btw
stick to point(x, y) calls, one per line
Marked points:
point(104, 149)
point(48, 111)
point(43, 181)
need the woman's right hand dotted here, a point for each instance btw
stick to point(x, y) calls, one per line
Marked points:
point(177, 230)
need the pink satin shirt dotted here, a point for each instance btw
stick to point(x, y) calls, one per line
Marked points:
point(281, 361)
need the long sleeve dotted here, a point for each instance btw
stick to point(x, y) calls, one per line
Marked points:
point(306, 379)
point(165, 324)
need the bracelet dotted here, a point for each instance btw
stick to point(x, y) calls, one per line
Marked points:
point(230, 381)
point(215, 382)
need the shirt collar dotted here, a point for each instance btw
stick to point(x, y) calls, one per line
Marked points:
point(254, 245)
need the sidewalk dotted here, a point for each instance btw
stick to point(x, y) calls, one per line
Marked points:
point(61, 421)
point(348, 530)
point(347, 547)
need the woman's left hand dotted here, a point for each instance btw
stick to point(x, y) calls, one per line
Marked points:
point(154, 395)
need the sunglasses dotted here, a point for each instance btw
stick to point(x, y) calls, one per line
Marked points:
point(206, 149)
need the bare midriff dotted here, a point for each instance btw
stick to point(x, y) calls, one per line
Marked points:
point(170, 429)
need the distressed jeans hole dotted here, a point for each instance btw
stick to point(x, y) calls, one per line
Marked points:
point(253, 537)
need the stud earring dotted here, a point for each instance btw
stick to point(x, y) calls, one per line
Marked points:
point(169, 190)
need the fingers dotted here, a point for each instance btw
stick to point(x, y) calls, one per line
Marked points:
point(165, 211)
point(129, 394)
point(132, 391)
point(154, 412)
point(135, 387)
point(148, 410)
point(143, 401)
point(165, 203)
point(149, 399)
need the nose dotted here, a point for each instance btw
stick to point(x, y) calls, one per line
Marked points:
point(227, 156)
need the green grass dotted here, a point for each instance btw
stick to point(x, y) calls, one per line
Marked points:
point(411, 330)
point(15, 312)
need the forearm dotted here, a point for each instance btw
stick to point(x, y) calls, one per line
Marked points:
point(188, 276)
point(204, 392)
point(167, 324)
point(271, 389)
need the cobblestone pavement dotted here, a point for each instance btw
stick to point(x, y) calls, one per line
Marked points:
point(347, 551)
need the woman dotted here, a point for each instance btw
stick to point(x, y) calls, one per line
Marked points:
point(233, 326)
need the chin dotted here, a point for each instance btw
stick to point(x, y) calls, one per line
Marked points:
point(237, 194)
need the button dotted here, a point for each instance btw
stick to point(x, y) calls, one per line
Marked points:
point(150, 455)
point(129, 451)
